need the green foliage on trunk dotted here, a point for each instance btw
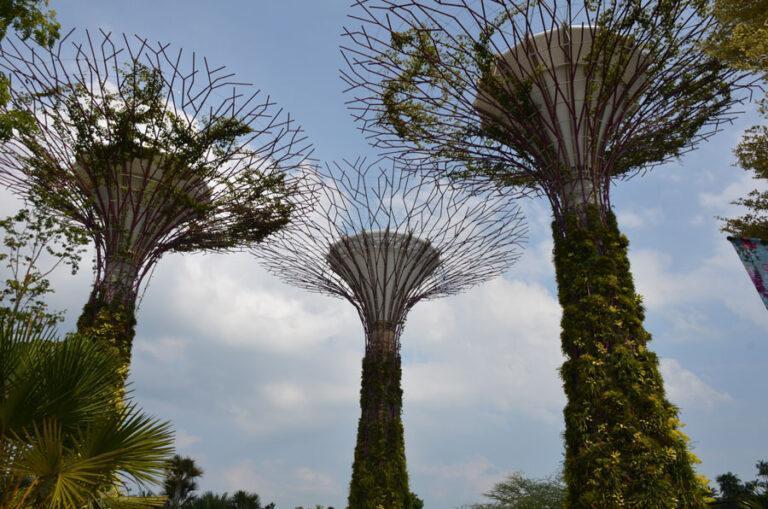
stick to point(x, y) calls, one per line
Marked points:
point(379, 474)
point(624, 447)
point(112, 326)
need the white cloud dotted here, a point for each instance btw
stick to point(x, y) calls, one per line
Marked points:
point(285, 394)
point(9, 202)
point(642, 218)
point(246, 476)
point(687, 390)
point(720, 279)
point(720, 200)
point(236, 302)
point(469, 477)
point(270, 477)
point(309, 480)
point(476, 473)
point(504, 334)
point(535, 263)
point(307, 397)
point(162, 349)
point(184, 439)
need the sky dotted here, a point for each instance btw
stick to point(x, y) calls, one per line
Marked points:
point(261, 380)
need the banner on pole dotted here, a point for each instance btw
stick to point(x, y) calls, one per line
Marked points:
point(754, 256)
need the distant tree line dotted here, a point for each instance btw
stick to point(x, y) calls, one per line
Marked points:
point(520, 492)
point(735, 494)
point(180, 484)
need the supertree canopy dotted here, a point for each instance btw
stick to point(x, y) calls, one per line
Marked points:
point(384, 238)
point(560, 98)
point(151, 151)
point(540, 95)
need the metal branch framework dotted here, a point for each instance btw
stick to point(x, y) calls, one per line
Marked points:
point(150, 149)
point(552, 96)
point(384, 239)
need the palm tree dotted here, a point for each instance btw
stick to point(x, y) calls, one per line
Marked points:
point(63, 442)
point(180, 483)
point(244, 500)
point(180, 475)
point(240, 500)
point(210, 500)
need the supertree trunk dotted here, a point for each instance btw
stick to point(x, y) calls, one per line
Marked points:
point(623, 443)
point(379, 474)
point(109, 316)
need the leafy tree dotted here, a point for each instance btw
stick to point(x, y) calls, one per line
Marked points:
point(416, 502)
point(29, 236)
point(181, 474)
point(180, 481)
point(742, 35)
point(742, 42)
point(28, 18)
point(239, 500)
point(244, 500)
point(520, 492)
point(210, 500)
point(732, 489)
point(748, 495)
point(752, 155)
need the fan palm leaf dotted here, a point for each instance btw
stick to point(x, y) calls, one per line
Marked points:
point(64, 444)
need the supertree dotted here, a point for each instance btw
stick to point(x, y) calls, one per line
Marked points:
point(560, 98)
point(150, 151)
point(384, 239)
